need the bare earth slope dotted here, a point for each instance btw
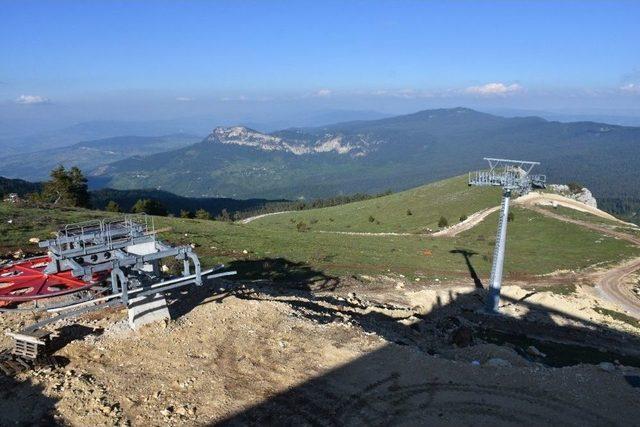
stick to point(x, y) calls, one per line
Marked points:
point(536, 198)
point(262, 354)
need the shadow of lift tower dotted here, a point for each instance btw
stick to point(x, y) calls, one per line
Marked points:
point(514, 176)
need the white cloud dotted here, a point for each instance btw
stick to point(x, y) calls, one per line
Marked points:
point(234, 98)
point(184, 99)
point(631, 88)
point(32, 99)
point(323, 93)
point(405, 93)
point(492, 89)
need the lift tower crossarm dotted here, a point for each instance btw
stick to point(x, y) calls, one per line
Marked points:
point(522, 164)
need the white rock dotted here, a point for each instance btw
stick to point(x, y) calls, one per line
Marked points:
point(498, 362)
point(607, 366)
point(535, 352)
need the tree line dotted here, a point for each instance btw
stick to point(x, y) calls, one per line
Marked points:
point(68, 188)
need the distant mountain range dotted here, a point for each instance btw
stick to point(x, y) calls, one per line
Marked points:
point(89, 155)
point(18, 186)
point(391, 153)
point(18, 138)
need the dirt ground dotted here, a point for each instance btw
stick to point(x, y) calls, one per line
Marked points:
point(379, 351)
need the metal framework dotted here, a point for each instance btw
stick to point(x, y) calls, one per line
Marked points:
point(81, 260)
point(515, 178)
point(93, 247)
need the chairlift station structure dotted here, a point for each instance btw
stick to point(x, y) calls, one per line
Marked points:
point(515, 178)
point(90, 266)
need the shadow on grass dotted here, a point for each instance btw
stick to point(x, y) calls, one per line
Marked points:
point(467, 254)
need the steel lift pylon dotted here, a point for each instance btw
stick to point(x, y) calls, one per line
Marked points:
point(515, 178)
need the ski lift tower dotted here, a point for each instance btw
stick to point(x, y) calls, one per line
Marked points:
point(514, 176)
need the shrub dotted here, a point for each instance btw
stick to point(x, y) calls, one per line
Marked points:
point(186, 214)
point(574, 187)
point(510, 217)
point(463, 217)
point(302, 227)
point(112, 207)
point(409, 213)
point(224, 215)
point(442, 222)
point(371, 218)
point(202, 214)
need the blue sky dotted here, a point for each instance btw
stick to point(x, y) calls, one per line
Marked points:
point(104, 58)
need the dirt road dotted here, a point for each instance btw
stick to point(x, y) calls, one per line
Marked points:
point(253, 218)
point(612, 287)
point(595, 227)
point(467, 224)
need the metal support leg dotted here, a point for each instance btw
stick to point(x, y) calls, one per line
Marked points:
point(196, 266)
point(495, 282)
point(125, 291)
point(117, 274)
point(186, 270)
point(114, 281)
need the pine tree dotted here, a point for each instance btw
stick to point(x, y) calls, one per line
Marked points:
point(112, 207)
point(150, 207)
point(67, 188)
point(202, 214)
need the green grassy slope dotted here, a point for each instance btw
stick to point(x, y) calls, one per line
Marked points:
point(536, 245)
point(450, 198)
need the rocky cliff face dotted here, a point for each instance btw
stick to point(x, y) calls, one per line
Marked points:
point(298, 143)
point(583, 195)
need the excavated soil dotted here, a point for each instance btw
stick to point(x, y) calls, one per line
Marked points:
point(379, 352)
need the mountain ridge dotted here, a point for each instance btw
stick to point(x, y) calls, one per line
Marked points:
point(389, 153)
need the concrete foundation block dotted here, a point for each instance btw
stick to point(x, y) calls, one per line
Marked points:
point(147, 309)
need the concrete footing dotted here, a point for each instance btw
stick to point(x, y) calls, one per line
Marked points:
point(147, 309)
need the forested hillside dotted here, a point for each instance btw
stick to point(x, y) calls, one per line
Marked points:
point(394, 153)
